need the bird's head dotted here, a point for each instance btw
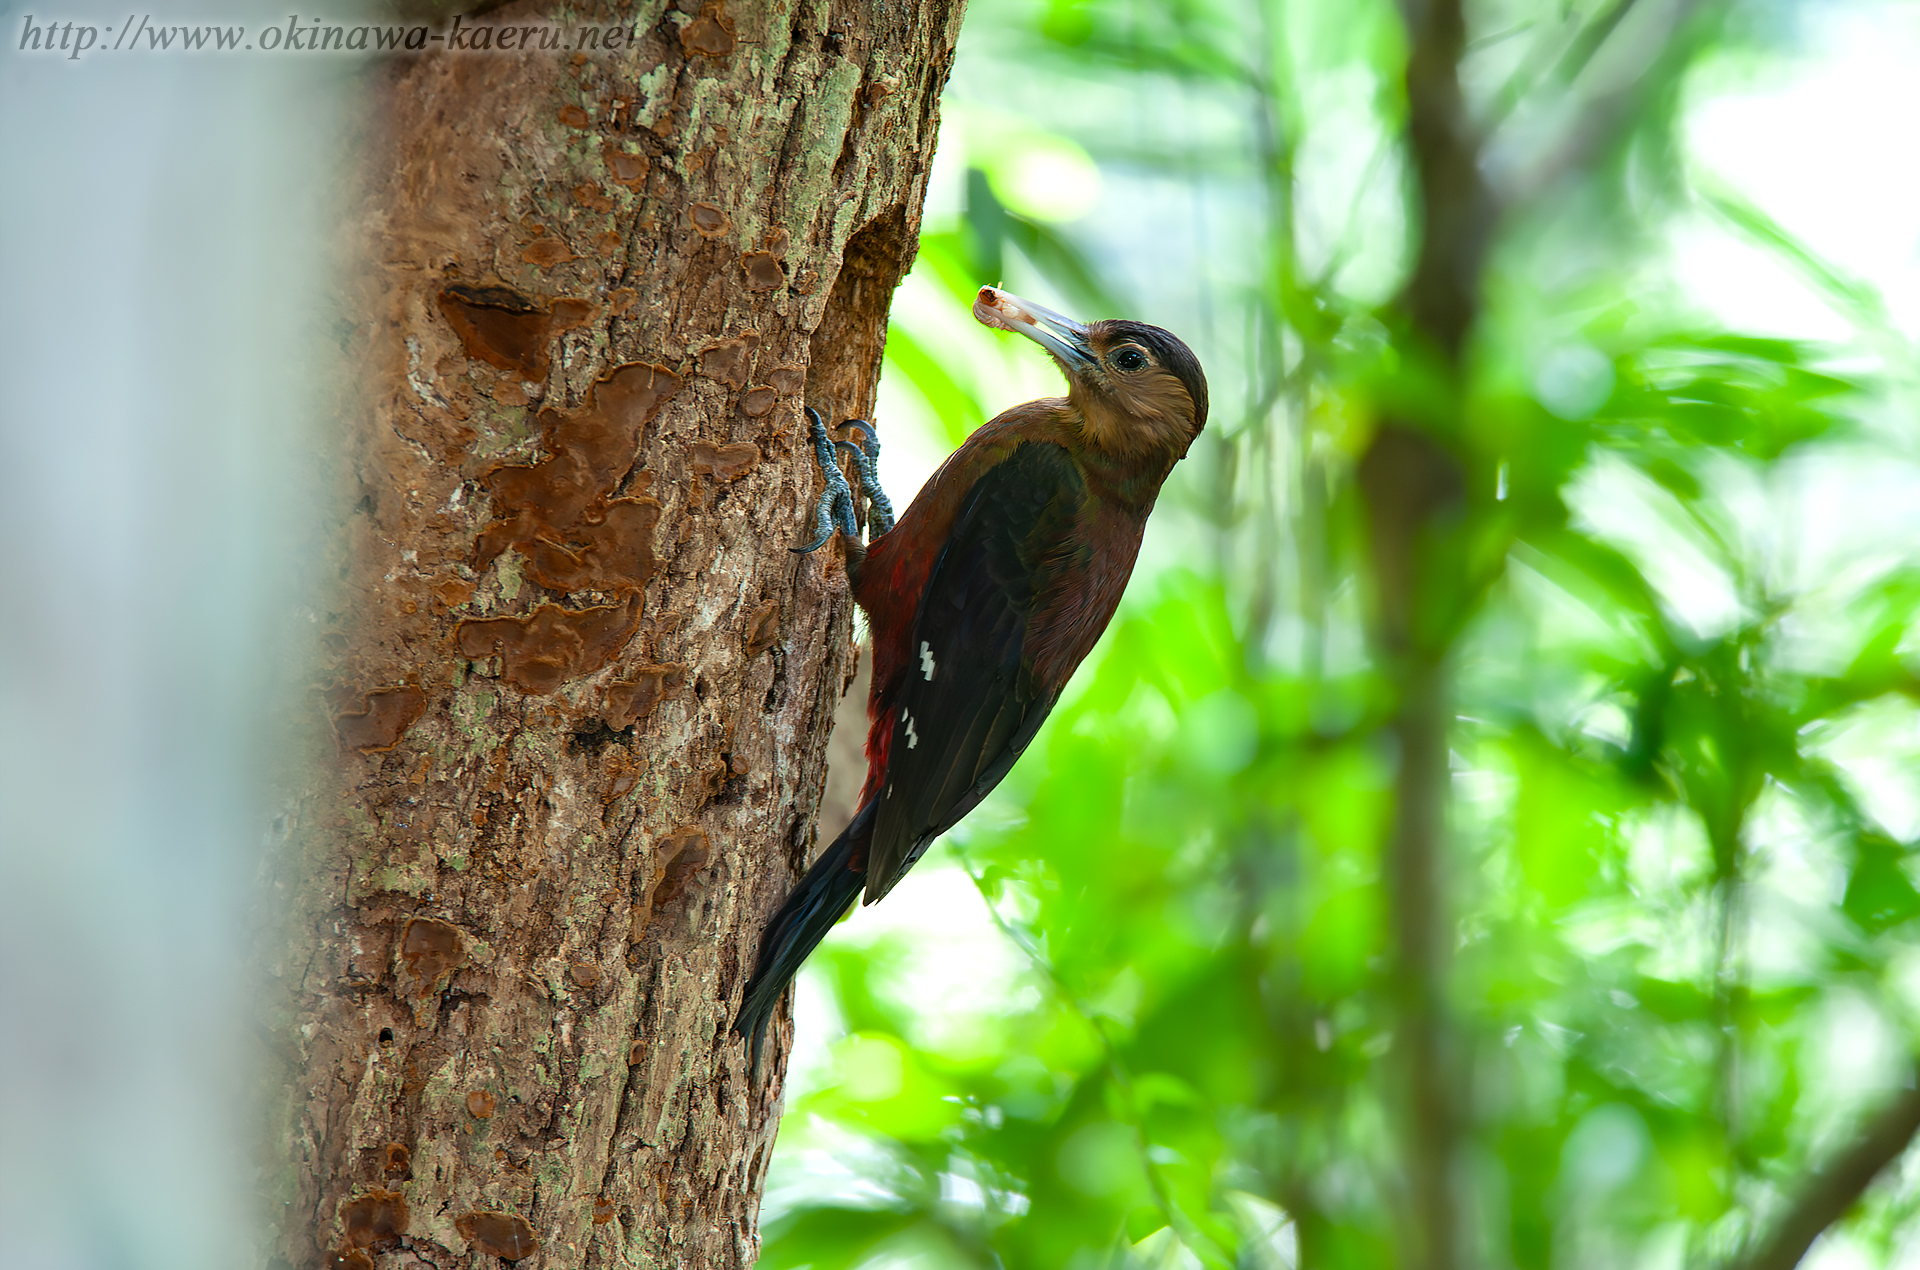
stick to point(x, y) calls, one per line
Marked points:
point(1138, 391)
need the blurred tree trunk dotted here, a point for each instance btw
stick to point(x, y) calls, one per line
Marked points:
point(1415, 494)
point(568, 729)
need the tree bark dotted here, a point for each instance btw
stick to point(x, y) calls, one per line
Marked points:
point(568, 730)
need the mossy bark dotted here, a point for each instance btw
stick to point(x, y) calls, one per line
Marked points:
point(568, 733)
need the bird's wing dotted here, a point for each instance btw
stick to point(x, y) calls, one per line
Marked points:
point(970, 703)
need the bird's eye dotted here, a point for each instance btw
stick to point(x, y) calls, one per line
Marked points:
point(1128, 359)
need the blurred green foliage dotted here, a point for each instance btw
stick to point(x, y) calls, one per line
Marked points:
point(1680, 840)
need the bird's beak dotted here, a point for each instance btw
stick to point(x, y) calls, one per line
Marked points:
point(1065, 338)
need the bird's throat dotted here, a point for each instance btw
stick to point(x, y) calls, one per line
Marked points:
point(1125, 430)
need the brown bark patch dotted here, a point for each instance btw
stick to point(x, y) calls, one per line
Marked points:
point(727, 360)
point(349, 1259)
point(629, 701)
point(728, 462)
point(547, 251)
point(452, 592)
point(575, 116)
point(603, 1210)
point(708, 220)
point(503, 328)
point(787, 380)
point(763, 628)
point(432, 950)
point(622, 774)
point(626, 169)
point(384, 717)
point(543, 651)
point(678, 857)
point(480, 1104)
point(758, 402)
point(612, 551)
point(712, 779)
point(584, 974)
point(377, 1217)
point(398, 1162)
point(710, 34)
point(572, 537)
point(763, 271)
point(684, 855)
point(503, 1235)
point(593, 449)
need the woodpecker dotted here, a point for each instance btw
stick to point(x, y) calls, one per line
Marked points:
point(985, 597)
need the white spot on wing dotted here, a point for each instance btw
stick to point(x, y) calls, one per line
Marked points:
point(926, 659)
point(913, 737)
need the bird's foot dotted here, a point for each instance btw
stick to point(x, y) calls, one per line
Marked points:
point(866, 456)
point(835, 509)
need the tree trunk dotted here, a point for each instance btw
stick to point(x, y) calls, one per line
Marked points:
point(568, 730)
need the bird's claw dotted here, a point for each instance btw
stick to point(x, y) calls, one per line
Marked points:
point(835, 509)
point(869, 438)
point(866, 456)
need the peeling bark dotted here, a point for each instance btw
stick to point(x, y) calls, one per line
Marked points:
point(568, 736)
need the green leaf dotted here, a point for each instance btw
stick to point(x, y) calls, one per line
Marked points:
point(1879, 894)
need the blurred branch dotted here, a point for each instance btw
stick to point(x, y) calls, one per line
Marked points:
point(1420, 921)
point(1456, 206)
point(1589, 40)
point(1837, 1187)
point(1412, 486)
point(1267, 327)
point(1730, 990)
point(1586, 42)
point(1608, 110)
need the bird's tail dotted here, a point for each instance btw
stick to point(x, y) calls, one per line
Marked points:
point(822, 897)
